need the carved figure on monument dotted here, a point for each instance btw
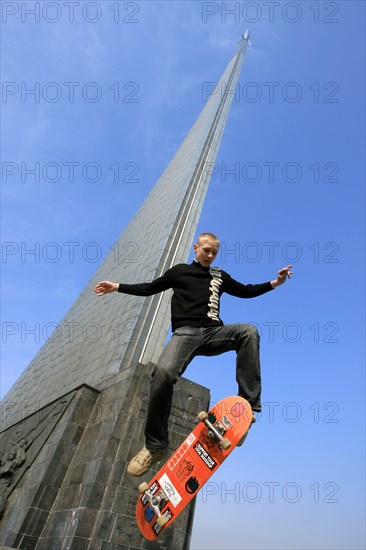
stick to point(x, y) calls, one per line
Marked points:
point(9, 464)
point(197, 330)
point(22, 446)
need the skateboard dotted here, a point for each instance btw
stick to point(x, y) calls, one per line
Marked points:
point(216, 435)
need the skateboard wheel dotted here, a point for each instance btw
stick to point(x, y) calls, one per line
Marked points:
point(143, 487)
point(162, 520)
point(225, 443)
point(201, 417)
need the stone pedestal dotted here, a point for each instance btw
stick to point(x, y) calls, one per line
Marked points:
point(63, 475)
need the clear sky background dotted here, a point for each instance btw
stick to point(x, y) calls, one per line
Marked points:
point(116, 87)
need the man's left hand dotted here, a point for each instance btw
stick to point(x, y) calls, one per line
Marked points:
point(282, 275)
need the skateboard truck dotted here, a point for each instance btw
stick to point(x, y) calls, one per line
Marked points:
point(225, 443)
point(154, 501)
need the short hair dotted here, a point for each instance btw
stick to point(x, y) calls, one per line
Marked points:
point(210, 235)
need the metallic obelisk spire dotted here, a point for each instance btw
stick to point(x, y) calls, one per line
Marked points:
point(100, 337)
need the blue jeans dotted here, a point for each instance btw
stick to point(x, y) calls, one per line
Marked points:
point(184, 345)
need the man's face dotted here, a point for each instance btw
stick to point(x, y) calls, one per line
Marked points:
point(206, 251)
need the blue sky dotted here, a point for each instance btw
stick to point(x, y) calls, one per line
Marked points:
point(116, 87)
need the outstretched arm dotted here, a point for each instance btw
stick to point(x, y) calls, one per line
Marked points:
point(104, 287)
point(282, 275)
point(140, 289)
point(233, 287)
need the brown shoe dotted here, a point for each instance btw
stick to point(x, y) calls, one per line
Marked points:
point(144, 459)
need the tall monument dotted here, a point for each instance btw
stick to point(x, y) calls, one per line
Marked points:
point(75, 416)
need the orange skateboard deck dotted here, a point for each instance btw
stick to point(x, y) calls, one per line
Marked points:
point(191, 465)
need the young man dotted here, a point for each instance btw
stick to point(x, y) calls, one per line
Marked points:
point(197, 330)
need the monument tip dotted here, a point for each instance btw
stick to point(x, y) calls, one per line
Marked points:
point(246, 37)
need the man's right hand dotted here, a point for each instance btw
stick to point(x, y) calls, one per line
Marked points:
point(104, 287)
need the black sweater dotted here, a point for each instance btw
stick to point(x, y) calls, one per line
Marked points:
point(197, 291)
